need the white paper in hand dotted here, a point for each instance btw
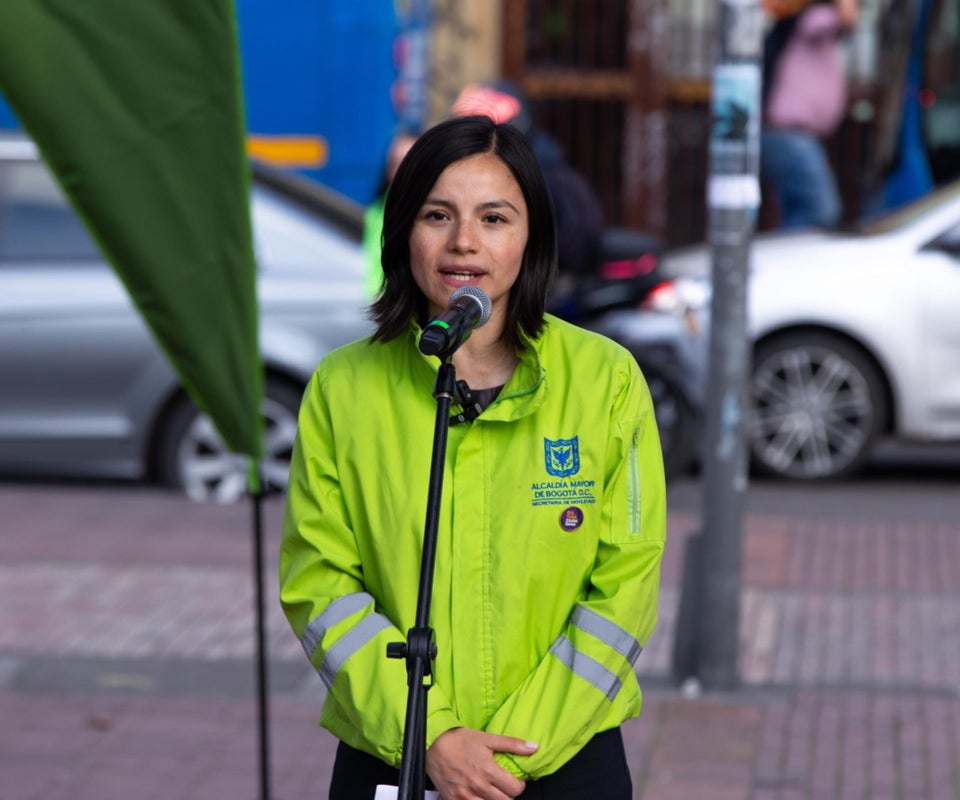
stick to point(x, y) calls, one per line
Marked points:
point(390, 793)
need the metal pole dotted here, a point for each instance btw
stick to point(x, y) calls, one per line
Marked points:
point(257, 493)
point(733, 200)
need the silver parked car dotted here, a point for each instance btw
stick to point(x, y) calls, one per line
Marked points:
point(87, 393)
point(86, 390)
point(856, 337)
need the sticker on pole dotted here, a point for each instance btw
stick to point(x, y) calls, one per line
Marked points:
point(735, 136)
point(733, 191)
point(741, 27)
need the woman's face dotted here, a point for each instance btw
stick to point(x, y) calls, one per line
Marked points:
point(470, 231)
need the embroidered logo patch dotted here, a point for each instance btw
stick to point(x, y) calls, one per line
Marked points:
point(571, 518)
point(562, 459)
point(562, 456)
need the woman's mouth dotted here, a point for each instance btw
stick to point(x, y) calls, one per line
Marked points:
point(460, 276)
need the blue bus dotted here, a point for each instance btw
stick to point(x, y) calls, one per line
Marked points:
point(324, 84)
point(922, 151)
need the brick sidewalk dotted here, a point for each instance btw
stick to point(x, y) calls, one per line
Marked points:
point(126, 661)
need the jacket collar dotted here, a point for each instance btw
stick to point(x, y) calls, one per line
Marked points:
point(526, 390)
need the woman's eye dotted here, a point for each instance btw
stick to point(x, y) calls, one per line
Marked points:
point(494, 218)
point(435, 214)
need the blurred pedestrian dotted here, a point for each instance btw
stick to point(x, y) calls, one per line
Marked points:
point(805, 99)
point(552, 526)
point(577, 208)
point(401, 142)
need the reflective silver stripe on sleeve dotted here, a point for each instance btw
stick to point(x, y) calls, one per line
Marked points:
point(337, 611)
point(607, 632)
point(591, 671)
point(348, 644)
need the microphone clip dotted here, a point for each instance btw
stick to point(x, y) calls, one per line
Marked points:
point(471, 408)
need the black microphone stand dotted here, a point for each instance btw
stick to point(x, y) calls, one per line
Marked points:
point(420, 648)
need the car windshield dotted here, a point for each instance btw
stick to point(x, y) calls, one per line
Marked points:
point(290, 235)
point(904, 216)
point(36, 221)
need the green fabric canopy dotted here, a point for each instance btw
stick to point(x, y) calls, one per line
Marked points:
point(136, 105)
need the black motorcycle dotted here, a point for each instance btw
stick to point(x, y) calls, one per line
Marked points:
point(610, 298)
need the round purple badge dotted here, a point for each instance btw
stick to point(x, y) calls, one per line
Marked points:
point(571, 518)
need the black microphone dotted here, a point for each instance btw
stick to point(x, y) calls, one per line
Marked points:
point(469, 308)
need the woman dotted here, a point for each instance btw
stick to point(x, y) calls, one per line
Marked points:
point(552, 525)
point(804, 100)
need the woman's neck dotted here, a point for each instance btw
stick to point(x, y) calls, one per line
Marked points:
point(485, 361)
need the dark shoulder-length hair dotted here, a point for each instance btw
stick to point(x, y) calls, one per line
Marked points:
point(401, 299)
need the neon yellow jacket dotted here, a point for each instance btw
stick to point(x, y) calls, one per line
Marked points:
point(551, 532)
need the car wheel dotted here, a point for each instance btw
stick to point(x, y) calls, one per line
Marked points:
point(818, 404)
point(192, 456)
point(677, 421)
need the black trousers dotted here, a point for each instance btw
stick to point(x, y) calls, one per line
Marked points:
point(598, 772)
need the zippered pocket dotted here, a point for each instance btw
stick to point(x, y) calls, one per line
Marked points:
point(633, 485)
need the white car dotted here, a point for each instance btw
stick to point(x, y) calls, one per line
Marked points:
point(856, 336)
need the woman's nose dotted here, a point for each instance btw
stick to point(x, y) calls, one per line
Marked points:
point(465, 236)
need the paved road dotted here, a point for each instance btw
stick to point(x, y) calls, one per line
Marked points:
point(900, 482)
point(126, 652)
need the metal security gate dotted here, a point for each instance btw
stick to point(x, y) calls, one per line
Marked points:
point(624, 86)
point(596, 74)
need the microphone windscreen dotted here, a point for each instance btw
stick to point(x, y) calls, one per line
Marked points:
point(486, 305)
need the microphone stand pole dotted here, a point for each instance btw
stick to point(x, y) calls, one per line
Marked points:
point(257, 491)
point(420, 648)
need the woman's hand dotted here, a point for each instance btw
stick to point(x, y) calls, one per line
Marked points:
point(461, 765)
